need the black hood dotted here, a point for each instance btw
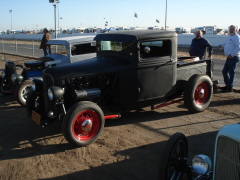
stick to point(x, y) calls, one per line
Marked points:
point(98, 65)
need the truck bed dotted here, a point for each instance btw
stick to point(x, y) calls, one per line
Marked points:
point(188, 66)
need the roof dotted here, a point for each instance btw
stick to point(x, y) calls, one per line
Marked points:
point(135, 35)
point(72, 40)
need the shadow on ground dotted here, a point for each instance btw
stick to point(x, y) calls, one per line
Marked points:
point(142, 162)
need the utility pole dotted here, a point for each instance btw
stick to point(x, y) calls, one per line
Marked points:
point(166, 16)
point(10, 11)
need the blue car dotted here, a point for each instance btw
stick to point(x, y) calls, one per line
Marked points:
point(62, 51)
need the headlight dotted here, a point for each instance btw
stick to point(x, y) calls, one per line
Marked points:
point(2, 74)
point(33, 86)
point(201, 164)
point(55, 93)
point(50, 94)
point(13, 78)
point(16, 78)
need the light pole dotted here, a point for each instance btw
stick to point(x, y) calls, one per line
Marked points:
point(58, 15)
point(166, 16)
point(10, 11)
point(55, 16)
point(55, 20)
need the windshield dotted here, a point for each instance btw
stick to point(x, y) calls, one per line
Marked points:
point(123, 47)
point(58, 49)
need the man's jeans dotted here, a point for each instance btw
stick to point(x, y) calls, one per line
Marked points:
point(229, 71)
point(46, 52)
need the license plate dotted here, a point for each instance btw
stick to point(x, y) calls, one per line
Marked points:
point(36, 117)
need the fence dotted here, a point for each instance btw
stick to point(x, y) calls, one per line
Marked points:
point(21, 47)
point(31, 48)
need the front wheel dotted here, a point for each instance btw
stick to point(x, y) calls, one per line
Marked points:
point(22, 91)
point(174, 158)
point(83, 123)
point(198, 93)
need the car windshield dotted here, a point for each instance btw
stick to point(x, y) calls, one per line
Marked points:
point(58, 49)
point(114, 46)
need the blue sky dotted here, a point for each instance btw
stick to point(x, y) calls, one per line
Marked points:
point(37, 14)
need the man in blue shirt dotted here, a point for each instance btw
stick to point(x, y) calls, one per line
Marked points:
point(199, 45)
point(232, 51)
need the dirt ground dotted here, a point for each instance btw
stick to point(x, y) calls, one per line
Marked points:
point(129, 147)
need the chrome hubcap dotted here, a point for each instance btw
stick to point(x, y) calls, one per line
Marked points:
point(25, 92)
point(87, 125)
point(201, 93)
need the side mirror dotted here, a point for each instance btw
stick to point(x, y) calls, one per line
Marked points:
point(73, 48)
point(147, 49)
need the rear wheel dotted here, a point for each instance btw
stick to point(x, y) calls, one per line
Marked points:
point(22, 91)
point(174, 156)
point(83, 123)
point(198, 93)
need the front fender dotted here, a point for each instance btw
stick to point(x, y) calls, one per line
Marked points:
point(33, 74)
point(37, 85)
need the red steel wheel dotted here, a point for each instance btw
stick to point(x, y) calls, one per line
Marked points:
point(201, 93)
point(83, 123)
point(198, 93)
point(86, 125)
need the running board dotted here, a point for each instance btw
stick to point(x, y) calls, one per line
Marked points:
point(112, 116)
point(166, 103)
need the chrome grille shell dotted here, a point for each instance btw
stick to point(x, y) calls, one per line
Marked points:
point(227, 153)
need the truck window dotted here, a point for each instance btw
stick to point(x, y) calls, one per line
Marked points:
point(83, 49)
point(123, 47)
point(157, 48)
point(58, 49)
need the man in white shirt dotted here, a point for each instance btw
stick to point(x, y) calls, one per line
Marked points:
point(232, 51)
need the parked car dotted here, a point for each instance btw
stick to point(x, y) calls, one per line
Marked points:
point(7, 86)
point(132, 70)
point(62, 51)
point(225, 164)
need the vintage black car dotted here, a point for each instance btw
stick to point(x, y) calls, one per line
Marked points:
point(10, 80)
point(133, 69)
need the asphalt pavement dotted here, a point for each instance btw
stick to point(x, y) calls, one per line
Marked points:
point(33, 50)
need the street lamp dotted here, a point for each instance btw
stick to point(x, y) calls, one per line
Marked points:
point(55, 21)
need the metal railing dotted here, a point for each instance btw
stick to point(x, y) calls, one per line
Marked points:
point(21, 47)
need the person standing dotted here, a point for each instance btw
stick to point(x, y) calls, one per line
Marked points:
point(44, 41)
point(199, 45)
point(232, 51)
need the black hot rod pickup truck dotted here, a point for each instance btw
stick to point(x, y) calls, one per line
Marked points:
point(133, 69)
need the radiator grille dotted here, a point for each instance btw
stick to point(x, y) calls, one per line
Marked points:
point(227, 159)
point(47, 81)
